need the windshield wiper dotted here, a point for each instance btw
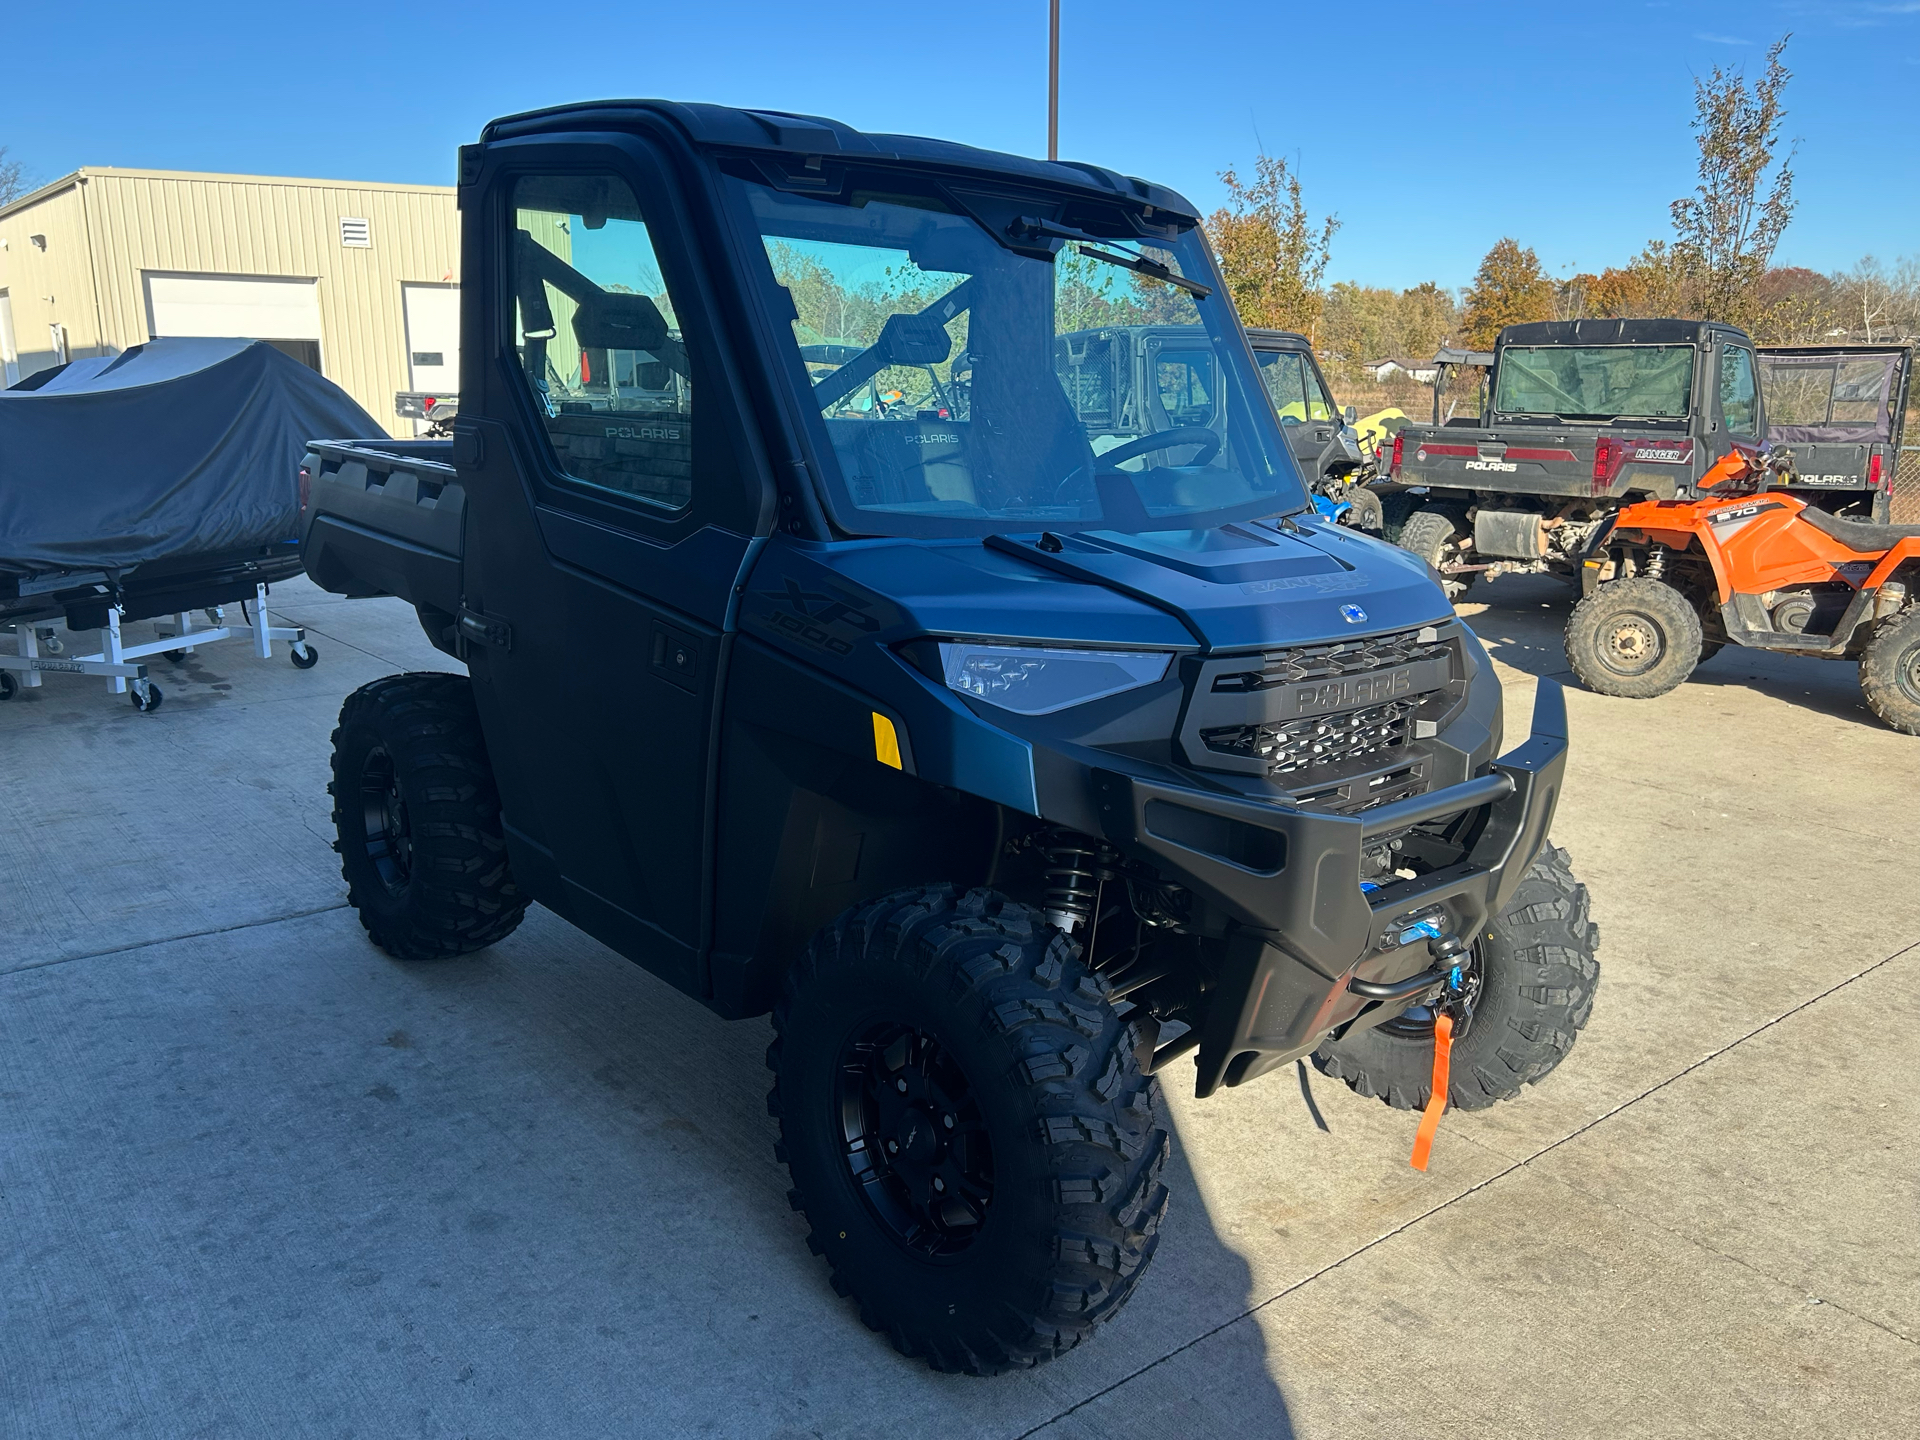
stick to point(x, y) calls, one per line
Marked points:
point(1152, 268)
point(1026, 228)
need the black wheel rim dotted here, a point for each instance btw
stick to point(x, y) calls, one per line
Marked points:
point(383, 812)
point(913, 1137)
point(1632, 644)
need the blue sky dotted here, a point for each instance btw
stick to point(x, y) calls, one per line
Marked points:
point(1431, 130)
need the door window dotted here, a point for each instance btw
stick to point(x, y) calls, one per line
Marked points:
point(1737, 407)
point(1319, 407)
point(1286, 384)
point(599, 340)
point(1185, 379)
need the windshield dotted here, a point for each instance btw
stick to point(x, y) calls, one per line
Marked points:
point(1596, 382)
point(964, 388)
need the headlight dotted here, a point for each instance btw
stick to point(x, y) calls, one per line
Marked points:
point(1029, 680)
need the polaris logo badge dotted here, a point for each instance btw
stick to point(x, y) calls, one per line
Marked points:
point(1353, 615)
point(1491, 465)
point(1349, 694)
point(642, 432)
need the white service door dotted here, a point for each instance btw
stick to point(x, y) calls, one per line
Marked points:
point(433, 337)
point(252, 307)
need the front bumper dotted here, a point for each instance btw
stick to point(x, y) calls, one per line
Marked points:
point(1305, 933)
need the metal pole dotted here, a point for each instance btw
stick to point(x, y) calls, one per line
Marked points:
point(1053, 80)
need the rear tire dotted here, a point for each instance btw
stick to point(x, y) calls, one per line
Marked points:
point(969, 1008)
point(1633, 638)
point(1537, 977)
point(421, 845)
point(1890, 672)
point(1439, 537)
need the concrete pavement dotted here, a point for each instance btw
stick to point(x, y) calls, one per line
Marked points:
point(256, 1178)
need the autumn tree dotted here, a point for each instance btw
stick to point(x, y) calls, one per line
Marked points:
point(1508, 289)
point(13, 179)
point(1725, 233)
point(1271, 255)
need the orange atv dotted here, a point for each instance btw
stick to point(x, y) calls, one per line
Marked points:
point(1671, 581)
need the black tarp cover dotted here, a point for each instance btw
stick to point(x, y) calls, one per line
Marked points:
point(172, 449)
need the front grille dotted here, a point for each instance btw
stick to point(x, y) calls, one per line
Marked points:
point(1293, 745)
point(1336, 726)
point(1325, 662)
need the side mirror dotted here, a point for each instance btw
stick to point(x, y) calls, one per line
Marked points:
point(1350, 414)
point(914, 340)
point(615, 321)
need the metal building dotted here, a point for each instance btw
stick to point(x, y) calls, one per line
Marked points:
point(361, 281)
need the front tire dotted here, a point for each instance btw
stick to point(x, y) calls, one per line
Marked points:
point(421, 844)
point(1536, 973)
point(1890, 672)
point(1634, 639)
point(967, 1127)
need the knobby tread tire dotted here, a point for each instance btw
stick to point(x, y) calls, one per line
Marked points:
point(1590, 622)
point(1431, 534)
point(1078, 1150)
point(460, 895)
point(1540, 976)
point(1893, 648)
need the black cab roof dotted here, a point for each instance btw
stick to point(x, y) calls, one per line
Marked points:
point(1278, 339)
point(722, 127)
point(1617, 332)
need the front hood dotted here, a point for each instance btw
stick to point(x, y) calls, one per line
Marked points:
point(1253, 585)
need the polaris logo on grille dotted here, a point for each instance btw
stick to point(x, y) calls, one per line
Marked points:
point(1353, 615)
point(1361, 690)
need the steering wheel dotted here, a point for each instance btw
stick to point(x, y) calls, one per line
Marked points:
point(1208, 442)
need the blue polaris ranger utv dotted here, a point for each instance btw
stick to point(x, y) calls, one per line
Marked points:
point(849, 637)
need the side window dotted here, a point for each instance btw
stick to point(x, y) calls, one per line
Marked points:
point(1319, 407)
point(1737, 408)
point(599, 341)
point(1285, 384)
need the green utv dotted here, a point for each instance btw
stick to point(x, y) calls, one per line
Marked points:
point(834, 650)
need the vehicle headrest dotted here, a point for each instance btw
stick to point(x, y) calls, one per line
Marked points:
point(613, 321)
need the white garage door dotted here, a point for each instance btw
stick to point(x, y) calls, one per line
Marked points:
point(255, 307)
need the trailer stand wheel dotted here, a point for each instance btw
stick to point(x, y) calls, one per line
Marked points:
point(145, 695)
point(7, 686)
point(303, 655)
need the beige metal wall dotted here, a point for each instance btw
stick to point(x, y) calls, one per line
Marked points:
point(107, 229)
point(50, 285)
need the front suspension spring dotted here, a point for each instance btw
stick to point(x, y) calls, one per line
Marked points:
point(1073, 884)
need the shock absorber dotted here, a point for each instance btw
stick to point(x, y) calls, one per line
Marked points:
point(1073, 883)
point(1657, 562)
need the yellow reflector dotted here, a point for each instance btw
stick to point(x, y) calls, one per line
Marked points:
point(886, 743)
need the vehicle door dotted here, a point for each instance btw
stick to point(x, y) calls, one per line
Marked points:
point(619, 486)
point(1737, 411)
point(1300, 400)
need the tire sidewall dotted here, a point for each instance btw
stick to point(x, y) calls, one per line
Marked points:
point(357, 740)
point(1886, 672)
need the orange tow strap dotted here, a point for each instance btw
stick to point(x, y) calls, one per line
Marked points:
point(1437, 1102)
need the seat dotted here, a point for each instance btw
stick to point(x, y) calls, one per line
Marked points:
point(1863, 537)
